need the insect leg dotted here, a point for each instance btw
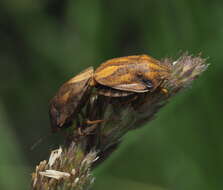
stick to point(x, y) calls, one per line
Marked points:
point(92, 112)
point(135, 97)
point(79, 126)
point(89, 122)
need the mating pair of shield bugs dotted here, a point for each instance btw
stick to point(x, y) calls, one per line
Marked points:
point(115, 78)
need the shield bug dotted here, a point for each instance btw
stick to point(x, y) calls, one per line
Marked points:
point(135, 74)
point(116, 77)
point(69, 99)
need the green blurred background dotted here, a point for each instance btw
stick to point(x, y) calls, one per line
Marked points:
point(45, 42)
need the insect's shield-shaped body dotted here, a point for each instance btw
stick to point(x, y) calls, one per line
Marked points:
point(136, 74)
point(70, 99)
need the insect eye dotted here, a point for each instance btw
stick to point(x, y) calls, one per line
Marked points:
point(148, 83)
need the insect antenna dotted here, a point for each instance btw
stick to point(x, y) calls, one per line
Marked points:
point(39, 141)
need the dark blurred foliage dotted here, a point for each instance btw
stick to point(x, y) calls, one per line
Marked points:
point(44, 43)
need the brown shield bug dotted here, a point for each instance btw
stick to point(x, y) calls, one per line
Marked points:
point(116, 77)
point(69, 99)
point(140, 73)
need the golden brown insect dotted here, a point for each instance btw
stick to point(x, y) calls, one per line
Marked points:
point(69, 99)
point(138, 74)
point(116, 77)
